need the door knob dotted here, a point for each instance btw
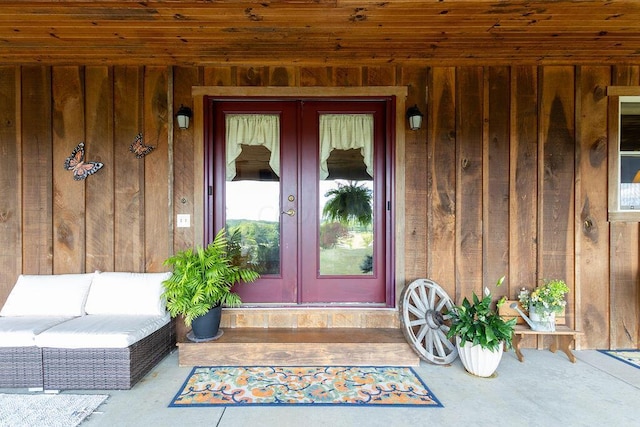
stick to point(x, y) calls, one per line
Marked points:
point(290, 212)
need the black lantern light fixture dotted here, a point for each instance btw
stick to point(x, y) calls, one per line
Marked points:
point(414, 115)
point(184, 115)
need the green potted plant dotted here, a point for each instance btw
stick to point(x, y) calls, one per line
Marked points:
point(480, 332)
point(544, 302)
point(201, 284)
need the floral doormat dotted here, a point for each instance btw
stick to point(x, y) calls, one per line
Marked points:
point(630, 357)
point(325, 385)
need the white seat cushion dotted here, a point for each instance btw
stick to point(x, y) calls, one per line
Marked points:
point(48, 295)
point(20, 331)
point(101, 331)
point(127, 293)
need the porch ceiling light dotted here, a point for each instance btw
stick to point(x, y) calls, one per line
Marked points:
point(183, 116)
point(414, 115)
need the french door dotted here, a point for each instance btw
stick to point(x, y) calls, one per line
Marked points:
point(303, 190)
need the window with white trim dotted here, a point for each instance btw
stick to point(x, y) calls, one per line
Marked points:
point(629, 154)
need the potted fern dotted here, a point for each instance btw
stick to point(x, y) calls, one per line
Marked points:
point(201, 284)
point(480, 333)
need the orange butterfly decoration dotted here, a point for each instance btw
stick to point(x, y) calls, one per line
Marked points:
point(139, 149)
point(80, 168)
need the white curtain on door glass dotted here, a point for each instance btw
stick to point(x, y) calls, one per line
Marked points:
point(346, 132)
point(252, 129)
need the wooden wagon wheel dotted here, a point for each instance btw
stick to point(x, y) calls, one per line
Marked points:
point(424, 305)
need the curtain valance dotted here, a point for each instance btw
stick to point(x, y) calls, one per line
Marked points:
point(346, 132)
point(252, 129)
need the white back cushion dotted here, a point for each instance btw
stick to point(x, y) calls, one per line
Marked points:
point(127, 293)
point(48, 295)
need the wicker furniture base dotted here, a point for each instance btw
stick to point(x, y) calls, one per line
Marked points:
point(105, 368)
point(20, 367)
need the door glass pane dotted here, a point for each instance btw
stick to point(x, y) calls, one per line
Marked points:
point(252, 202)
point(346, 194)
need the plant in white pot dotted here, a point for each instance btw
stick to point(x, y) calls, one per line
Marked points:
point(201, 284)
point(481, 333)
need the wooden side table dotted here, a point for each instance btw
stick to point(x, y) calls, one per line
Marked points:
point(563, 336)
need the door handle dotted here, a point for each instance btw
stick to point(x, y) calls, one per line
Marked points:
point(290, 212)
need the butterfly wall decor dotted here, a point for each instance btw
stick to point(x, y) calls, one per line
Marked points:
point(139, 149)
point(81, 169)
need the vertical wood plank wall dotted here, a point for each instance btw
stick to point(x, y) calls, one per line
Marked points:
point(508, 176)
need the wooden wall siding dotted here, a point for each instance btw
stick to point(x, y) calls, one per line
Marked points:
point(416, 179)
point(183, 156)
point(506, 177)
point(624, 252)
point(158, 119)
point(495, 175)
point(468, 166)
point(10, 175)
point(36, 199)
point(441, 169)
point(128, 199)
point(591, 227)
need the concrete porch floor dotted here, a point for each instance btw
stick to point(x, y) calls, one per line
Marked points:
point(545, 390)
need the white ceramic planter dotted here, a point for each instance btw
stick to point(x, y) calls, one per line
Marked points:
point(477, 360)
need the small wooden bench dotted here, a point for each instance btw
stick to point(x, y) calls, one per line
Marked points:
point(563, 336)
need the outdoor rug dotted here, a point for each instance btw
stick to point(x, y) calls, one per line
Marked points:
point(325, 385)
point(55, 410)
point(630, 357)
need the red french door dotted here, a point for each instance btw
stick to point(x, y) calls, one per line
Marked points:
point(303, 190)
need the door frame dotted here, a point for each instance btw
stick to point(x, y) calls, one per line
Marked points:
point(398, 171)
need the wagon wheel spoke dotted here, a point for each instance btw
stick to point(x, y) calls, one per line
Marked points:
point(425, 320)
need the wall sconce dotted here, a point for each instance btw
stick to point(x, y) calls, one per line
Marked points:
point(415, 117)
point(184, 115)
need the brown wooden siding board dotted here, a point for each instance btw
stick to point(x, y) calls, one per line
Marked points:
point(10, 173)
point(415, 232)
point(100, 191)
point(441, 220)
point(282, 76)
point(252, 76)
point(496, 178)
point(624, 285)
point(37, 164)
point(69, 195)
point(379, 76)
point(592, 228)
point(183, 157)
point(347, 76)
point(156, 202)
point(523, 179)
point(556, 175)
point(624, 256)
point(315, 76)
point(218, 76)
point(128, 170)
point(469, 131)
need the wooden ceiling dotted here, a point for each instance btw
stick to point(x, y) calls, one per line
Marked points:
point(320, 32)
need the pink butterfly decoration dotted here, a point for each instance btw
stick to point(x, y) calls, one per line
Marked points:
point(81, 169)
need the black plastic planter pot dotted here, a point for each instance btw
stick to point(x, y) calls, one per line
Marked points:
point(206, 326)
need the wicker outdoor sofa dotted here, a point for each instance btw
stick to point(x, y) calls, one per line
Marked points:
point(100, 331)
